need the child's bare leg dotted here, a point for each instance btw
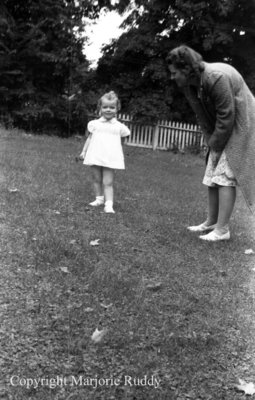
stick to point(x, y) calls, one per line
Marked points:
point(108, 176)
point(97, 176)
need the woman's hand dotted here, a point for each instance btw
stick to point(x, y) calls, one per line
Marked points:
point(215, 156)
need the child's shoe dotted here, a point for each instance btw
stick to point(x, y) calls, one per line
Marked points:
point(98, 202)
point(108, 208)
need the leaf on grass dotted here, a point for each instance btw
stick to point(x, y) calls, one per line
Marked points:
point(247, 388)
point(249, 251)
point(72, 241)
point(89, 309)
point(14, 190)
point(94, 242)
point(65, 269)
point(154, 286)
point(190, 395)
point(56, 212)
point(97, 335)
point(106, 306)
point(136, 249)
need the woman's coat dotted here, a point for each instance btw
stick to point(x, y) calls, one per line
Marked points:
point(225, 108)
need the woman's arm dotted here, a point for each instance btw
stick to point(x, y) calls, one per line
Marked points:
point(223, 99)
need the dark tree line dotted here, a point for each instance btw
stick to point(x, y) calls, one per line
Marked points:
point(134, 65)
point(42, 62)
point(45, 81)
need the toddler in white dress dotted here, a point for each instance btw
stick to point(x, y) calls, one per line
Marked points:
point(103, 149)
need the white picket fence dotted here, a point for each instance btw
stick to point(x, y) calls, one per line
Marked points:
point(165, 135)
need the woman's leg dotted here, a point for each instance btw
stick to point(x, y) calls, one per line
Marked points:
point(212, 212)
point(213, 205)
point(227, 197)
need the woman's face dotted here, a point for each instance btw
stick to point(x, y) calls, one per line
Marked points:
point(178, 75)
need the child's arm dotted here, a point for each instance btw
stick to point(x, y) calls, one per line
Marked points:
point(124, 132)
point(85, 147)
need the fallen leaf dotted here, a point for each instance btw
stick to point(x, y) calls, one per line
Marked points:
point(190, 395)
point(247, 388)
point(14, 190)
point(73, 241)
point(65, 269)
point(249, 251)
point(94, 242)
point(88, 309)
point(154, 286)
point(97, 335)
point(106, 306)
point(136, 249)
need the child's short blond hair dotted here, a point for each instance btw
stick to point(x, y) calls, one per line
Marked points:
point(109, 96)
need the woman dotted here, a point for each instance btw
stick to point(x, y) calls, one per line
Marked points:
point(225, 108)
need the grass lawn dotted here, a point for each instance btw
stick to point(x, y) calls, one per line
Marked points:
point(175, 309)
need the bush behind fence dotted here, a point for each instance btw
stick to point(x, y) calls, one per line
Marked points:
point(164, 135)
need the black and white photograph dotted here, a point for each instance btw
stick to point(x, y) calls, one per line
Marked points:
point(127, 218)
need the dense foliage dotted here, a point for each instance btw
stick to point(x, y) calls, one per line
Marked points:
point(45, 80)
point(42, 62)
point(134, 64)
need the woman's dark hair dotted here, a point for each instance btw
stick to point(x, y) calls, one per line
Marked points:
point(183, 56)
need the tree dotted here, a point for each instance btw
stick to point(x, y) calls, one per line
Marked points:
point(135, 63)
point(42, 61)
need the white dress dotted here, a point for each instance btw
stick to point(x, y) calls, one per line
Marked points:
point(105, 148)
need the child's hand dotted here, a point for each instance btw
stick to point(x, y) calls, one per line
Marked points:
point(79, 158)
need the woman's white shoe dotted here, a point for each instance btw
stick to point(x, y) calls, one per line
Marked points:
point(215, 237)
point(201, 228)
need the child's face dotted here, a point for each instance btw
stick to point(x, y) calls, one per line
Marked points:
point(109, 108)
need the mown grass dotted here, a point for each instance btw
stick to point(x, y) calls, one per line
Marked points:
point(179, 309)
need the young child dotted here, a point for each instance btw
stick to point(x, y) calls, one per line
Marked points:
point(103, 149)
